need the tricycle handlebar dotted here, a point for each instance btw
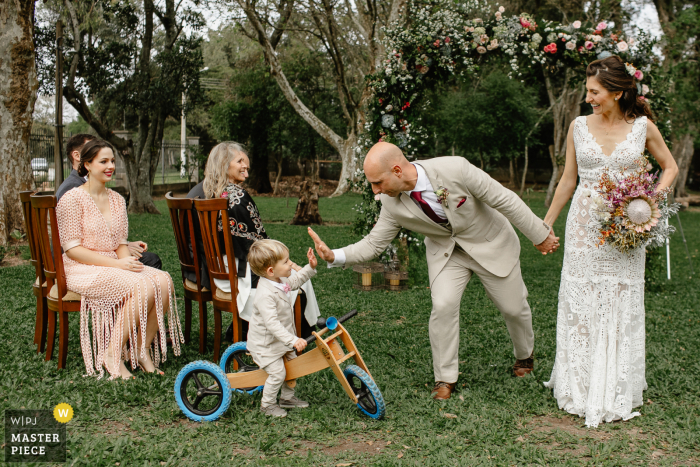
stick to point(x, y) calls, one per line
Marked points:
point(322, 323)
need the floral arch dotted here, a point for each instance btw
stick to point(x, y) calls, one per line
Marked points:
point(445, 39)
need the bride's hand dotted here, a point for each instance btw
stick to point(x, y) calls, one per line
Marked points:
point(130, 263)
point(550, 244)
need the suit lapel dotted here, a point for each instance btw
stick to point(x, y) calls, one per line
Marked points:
point(274, 289)
point(436, 182)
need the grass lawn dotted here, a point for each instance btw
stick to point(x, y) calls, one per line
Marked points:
point(493, 420)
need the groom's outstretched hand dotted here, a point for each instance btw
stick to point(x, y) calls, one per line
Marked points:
point(550, 244)
point(322, 249)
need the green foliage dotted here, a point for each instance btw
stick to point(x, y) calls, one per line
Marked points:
point(500, 420)
point(256, 112)
point(474, 117)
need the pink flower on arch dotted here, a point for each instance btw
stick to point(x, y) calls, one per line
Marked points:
point(551, 48)
point(622, 46)
point(589, 45)
point(447, 40)
point(576, 24)
point(524, 23)
point(602, 25)
point(481, 49)
point(639, 75)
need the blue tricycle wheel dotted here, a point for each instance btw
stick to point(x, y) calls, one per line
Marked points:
point(238, 353)
point(202, 391)
point(369, 397)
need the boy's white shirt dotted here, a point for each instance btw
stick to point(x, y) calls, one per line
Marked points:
point(272, 332)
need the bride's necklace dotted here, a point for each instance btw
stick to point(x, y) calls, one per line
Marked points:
point(610, 127)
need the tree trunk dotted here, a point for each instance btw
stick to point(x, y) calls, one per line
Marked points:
point(307, 207)
point(259, 179)
point(511, 171)
point(522, 182)
point(683, 150)
point(18, 88)
point(565, 108)
point(279, 174)
point(347, 172)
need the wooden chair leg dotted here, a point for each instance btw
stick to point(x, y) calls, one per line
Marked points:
point(51, 337)
point(37, 324)
point(188, 319)
point(202, 326)
point(297, 315)
point(41, 345)
point(62, 339)
point(217, 334)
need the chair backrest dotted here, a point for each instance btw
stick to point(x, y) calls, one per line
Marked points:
point(210, 213)
point(30, 229)
point(183, 226)
point(49, 241)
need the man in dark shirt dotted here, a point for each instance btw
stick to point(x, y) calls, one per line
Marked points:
point(73, 147)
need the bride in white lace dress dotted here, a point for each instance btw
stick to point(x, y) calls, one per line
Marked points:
point(599, 367)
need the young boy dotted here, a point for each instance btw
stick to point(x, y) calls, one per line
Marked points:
point(272, 336)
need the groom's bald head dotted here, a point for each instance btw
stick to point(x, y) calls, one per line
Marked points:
point(386, 168)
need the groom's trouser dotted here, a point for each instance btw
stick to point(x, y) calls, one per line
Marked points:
point(509, 294)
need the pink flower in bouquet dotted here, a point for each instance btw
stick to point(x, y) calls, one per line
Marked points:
point(641, 214)
point(639, 75)
point(551, 48)
point(622, 46)
point(524, 23)
point(581, 49)
point(481, 49)
point(576, 24)
point(589, 45)
point(602, 25)
point(570, 46)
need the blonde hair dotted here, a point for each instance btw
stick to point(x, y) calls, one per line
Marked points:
point(265, 253)
point(216, 170)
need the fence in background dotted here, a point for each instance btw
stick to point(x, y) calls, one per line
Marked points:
point(169, 170)
point(41, 150)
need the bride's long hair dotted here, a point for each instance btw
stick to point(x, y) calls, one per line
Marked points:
point(612, 74)
point(216, 170)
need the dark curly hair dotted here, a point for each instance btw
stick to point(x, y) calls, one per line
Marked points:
point(89, 152)
point(612, 75)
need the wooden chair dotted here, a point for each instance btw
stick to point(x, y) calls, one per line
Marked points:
point(59, 300)
point(216, 245)
point(39, 286)
point(184, 228)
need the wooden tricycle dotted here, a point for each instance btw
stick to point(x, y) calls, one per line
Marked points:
point(203, 389)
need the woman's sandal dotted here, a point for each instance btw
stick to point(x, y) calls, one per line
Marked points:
point(118, 373)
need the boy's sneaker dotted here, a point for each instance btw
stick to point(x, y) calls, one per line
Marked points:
point(293, 403)
point(273, 411)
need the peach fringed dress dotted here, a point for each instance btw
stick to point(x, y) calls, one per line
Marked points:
point(105, 290)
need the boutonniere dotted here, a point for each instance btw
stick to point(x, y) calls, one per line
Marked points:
point(287, 288)
point(442, 195)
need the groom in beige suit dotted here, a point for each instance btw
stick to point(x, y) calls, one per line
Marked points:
point(464, 215)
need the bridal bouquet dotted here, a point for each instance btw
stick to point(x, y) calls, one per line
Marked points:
point(629, 209)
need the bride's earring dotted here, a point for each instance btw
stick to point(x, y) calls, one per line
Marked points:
point(616, 98)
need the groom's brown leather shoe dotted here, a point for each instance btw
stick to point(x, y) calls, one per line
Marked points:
point(443, 391)
point(524, 367)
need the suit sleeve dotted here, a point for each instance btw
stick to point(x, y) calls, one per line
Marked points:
point(505, 201)
point(375, 242)
point(297, 280)
point(268, 310)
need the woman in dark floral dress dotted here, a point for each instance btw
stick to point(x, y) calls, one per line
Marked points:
point(227, 168)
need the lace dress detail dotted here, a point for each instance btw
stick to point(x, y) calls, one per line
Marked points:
point(105, 290)
point(600, 364)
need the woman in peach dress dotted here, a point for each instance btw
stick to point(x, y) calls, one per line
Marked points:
point(122, 299)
